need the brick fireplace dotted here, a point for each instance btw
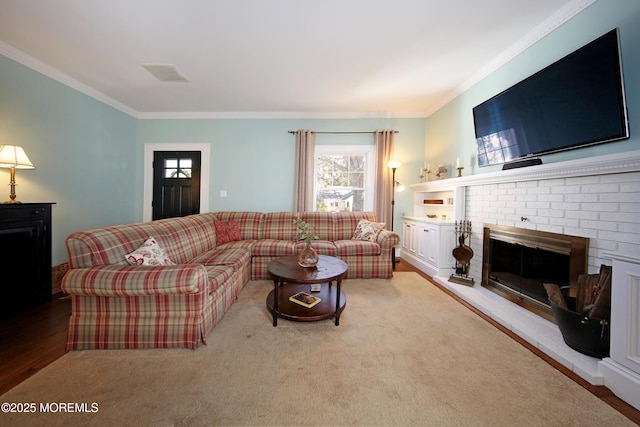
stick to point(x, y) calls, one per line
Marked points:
point(595, 198)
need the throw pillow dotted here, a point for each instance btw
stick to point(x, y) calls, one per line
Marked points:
point(367, 231)
point(227, 231)
point(149, 253)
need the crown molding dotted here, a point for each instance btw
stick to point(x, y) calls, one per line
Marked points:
point(42, 68)
point(48, 71)
point(543, 29)
point(282, 115)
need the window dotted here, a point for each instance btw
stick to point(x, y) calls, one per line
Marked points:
point(344, 178)
point(177, 168)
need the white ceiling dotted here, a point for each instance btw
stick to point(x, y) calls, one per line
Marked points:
point(275, 57)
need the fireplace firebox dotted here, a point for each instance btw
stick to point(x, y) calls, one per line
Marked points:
point(517, 262)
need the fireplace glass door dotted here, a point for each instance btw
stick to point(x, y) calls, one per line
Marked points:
point(516, 262)
point(525, 269)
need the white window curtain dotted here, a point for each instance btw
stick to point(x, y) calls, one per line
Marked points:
point(304, 171)
point(384, 151)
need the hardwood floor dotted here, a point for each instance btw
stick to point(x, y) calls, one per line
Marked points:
point(31, 340)
point(35, 338)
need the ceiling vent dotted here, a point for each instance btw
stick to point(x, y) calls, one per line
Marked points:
point(166, 73)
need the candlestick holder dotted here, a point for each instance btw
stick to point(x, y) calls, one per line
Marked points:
point(422, 175)
point(459, 171)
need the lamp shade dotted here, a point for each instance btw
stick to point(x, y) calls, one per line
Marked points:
point(394, 164)
point(13, 156)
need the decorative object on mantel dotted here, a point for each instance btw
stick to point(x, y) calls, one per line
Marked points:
point(308, 257)
point(425, 172)
point(462, 253)
point(441, 173)
point(13, 157)
point(459, 167)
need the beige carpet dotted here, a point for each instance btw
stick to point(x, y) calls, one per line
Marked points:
point(405, 353)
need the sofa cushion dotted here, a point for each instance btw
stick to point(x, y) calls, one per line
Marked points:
point(240, 244)
point(218, 275)
point(274, 248)
point(346, 223)
point(367, 230)
point(227, 231)
point(356, 247)
point(185, 237)
point(130, 281)
point(234, 257)
point(322, 247)
point(280, 226)
point(149, 253)
point(322, 222)
point(181, 238)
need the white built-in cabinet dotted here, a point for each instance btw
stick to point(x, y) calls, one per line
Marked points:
point(428, 238)
point(428, 245)
point(621, 370)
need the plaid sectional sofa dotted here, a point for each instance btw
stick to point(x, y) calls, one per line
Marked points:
point(116, 305)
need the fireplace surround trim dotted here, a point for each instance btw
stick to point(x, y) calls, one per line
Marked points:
point(573, 246)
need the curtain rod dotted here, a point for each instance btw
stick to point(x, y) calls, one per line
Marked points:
point(340, 132)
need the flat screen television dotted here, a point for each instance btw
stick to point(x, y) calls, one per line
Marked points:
point(575, 102)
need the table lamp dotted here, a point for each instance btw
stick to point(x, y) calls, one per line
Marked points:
point(13, 157)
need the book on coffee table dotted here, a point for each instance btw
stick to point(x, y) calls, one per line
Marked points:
point(304, 299)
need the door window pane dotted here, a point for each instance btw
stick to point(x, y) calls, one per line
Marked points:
point(178, 168)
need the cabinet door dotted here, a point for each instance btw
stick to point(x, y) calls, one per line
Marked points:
point(422, 237)
point(405, 243)
point(407, 236)
point(432, 244)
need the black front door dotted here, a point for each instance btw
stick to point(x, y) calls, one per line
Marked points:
point(176, 183)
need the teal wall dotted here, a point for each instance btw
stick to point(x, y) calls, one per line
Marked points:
point(83, 151)
point(450, 132)
point(89, 156)
point(253, 159)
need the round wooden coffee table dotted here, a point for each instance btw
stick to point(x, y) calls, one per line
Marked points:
point(289, 278)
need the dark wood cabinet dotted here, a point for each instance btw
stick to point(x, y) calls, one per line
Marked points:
point(25, 263)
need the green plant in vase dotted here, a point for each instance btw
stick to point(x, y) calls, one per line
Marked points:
point(305, 231)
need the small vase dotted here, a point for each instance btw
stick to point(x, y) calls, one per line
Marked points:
point(308, 257)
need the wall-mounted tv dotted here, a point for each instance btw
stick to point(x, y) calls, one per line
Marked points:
point(574, 102)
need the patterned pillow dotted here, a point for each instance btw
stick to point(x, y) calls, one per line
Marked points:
point(227, 231)
point(149, 253)
point(367, 230)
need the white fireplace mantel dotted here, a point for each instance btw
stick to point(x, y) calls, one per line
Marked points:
point(611, 163)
